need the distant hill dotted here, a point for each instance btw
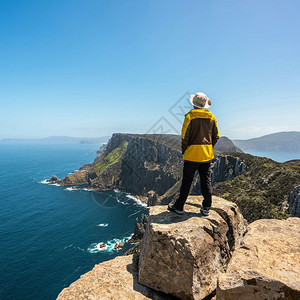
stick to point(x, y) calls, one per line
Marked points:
point(281, 141)
point(226, 145)
point(59, 139)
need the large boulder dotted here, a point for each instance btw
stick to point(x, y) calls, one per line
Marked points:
point(183, 255)
point(267, 265)
point(113, 279)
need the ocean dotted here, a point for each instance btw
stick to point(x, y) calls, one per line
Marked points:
point(50, 234)
point(278, 156)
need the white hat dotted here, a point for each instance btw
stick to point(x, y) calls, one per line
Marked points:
point(200, 100)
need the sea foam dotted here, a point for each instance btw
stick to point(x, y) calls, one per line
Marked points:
point(95, 247)
point(50, 183)
point(72, 188)
point(103, 225)
point(137, 201)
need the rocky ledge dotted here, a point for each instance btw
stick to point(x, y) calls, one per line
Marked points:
point(113, 279)
point(267, 265)
point(181, 256)
point(187, 253)
point(194, 257)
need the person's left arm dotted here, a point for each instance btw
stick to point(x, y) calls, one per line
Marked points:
point(185, 133)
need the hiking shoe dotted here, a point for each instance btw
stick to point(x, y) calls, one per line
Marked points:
point(175, 210)
point(205, 211)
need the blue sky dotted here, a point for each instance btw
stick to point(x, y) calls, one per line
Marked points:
point(92, 67)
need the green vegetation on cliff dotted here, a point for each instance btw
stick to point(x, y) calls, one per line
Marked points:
point(78, 177)
point(112, 157)
point(262, 191)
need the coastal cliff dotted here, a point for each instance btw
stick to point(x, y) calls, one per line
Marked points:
point(194, 257)
point(150, 166)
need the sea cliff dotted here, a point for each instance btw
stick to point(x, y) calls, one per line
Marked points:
point(150, 168)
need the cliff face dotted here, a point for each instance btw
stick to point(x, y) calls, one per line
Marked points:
point(150, 167)
point(147, 165)
point(294, 201)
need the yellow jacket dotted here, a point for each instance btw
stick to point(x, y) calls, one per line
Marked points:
point(199, 134)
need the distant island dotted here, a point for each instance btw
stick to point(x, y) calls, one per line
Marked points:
point(59, 139)
point(280, 141)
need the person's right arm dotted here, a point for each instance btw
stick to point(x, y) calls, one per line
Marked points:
point(215, 133)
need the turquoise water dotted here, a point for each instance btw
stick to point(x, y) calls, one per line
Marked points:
point(49, 234)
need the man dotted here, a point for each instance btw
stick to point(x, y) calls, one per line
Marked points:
point(199, 135)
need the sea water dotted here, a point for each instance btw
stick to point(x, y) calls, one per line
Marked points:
point(278, 156)
point(50, 234)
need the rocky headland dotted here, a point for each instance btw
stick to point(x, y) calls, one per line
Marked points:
point(149, 166)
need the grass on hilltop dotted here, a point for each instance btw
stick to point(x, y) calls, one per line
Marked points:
point(112, 157)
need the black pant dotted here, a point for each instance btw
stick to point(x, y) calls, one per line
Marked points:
point(189, 170)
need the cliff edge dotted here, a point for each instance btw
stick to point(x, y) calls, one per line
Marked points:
point(181, 256)
point(193, 257)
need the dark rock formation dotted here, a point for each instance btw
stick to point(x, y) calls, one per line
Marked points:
point(119, 245)
point(152, 198)
point(53, 179)
point(102, 245)
point(139, 229)
point(294, 201)
point(146, 165)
